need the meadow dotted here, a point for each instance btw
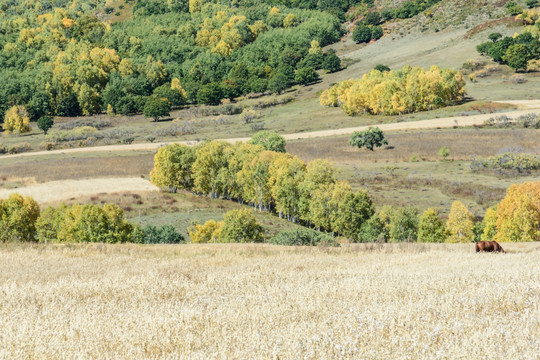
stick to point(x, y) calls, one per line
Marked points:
point(371, 301)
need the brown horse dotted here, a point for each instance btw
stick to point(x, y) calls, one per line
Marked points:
point(489, 246)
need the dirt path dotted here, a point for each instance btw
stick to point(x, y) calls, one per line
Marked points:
point(526, 106)
point(67, 189)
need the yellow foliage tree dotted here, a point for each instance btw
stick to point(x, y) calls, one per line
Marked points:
point(16, 120)
point(18, 218)
point(460, 224)
point(408, 89)
point(490, 224)
point(518, 214)
point(206, 233)
point(289, 21)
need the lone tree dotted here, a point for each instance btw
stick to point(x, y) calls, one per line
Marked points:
point(156, 108)
point(44, 123)
point(370, 138)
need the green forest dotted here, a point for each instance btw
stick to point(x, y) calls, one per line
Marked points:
point(59, 59)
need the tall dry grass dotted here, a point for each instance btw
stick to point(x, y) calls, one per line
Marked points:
point(407, 301)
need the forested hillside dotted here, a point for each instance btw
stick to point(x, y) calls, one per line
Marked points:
point(60, 58)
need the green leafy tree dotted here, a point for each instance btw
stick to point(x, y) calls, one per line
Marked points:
point(331, 63)
point(278, 83)
point(306, 76)
point(210, 94)
point(242, 227)
point(371, 138)
point(431, 228)
point(302, 237)
point(156, 108)
point(374, 230)
point(517, 56)
point(269, 140)
point(362, 34)
point(372, 18)
point(404, 225)
point(44, 123)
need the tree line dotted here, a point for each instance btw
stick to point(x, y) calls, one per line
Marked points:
point(516, 218)
point(521, 52)
point(393, 92)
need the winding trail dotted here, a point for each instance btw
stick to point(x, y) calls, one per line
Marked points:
point(526, 107)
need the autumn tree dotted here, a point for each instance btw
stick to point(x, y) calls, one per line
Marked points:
point(286, 175)
point(16, 120)
point(489, 224)
point(460, 224)
point(173, 167)
point(241, 226)
point(211, 161)
point(18, 216)
point(370, 138)
point(431, 228)
point(270, 140)
point(206, 233)
point(518, 214)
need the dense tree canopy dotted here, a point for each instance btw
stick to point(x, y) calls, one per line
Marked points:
point(408, 89)
point(62, 60)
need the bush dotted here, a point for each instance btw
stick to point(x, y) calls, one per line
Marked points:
point(362, 34)
point(269, 140)
point(80, 133)
point(376, 32)
point(19, 148)
point(305, 76)
point(509, 162)
point(166, 234)
point(302, 237)
point(374, 230)
point(95, 123)
point(241, 226)
point(381, 68)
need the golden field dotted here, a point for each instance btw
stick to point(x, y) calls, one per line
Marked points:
point(393, 301)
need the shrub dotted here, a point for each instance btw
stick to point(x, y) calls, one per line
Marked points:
point(209, 232)
point(376, 32)
point(509, 161)
point(305, 76)
point(166, 234)
point(241, 226)
point(381, 68)
point(444, 152)
point(249, 114)
point(302, 237)
point(269, 140)
point(19, 148)
point(95, 123)
point(79, 133)
point(362, 34)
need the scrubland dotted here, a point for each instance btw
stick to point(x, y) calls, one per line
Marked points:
point(400, 301)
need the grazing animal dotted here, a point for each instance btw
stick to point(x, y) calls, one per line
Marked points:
point(489, 246)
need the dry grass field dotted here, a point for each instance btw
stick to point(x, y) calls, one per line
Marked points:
point(402, 301)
